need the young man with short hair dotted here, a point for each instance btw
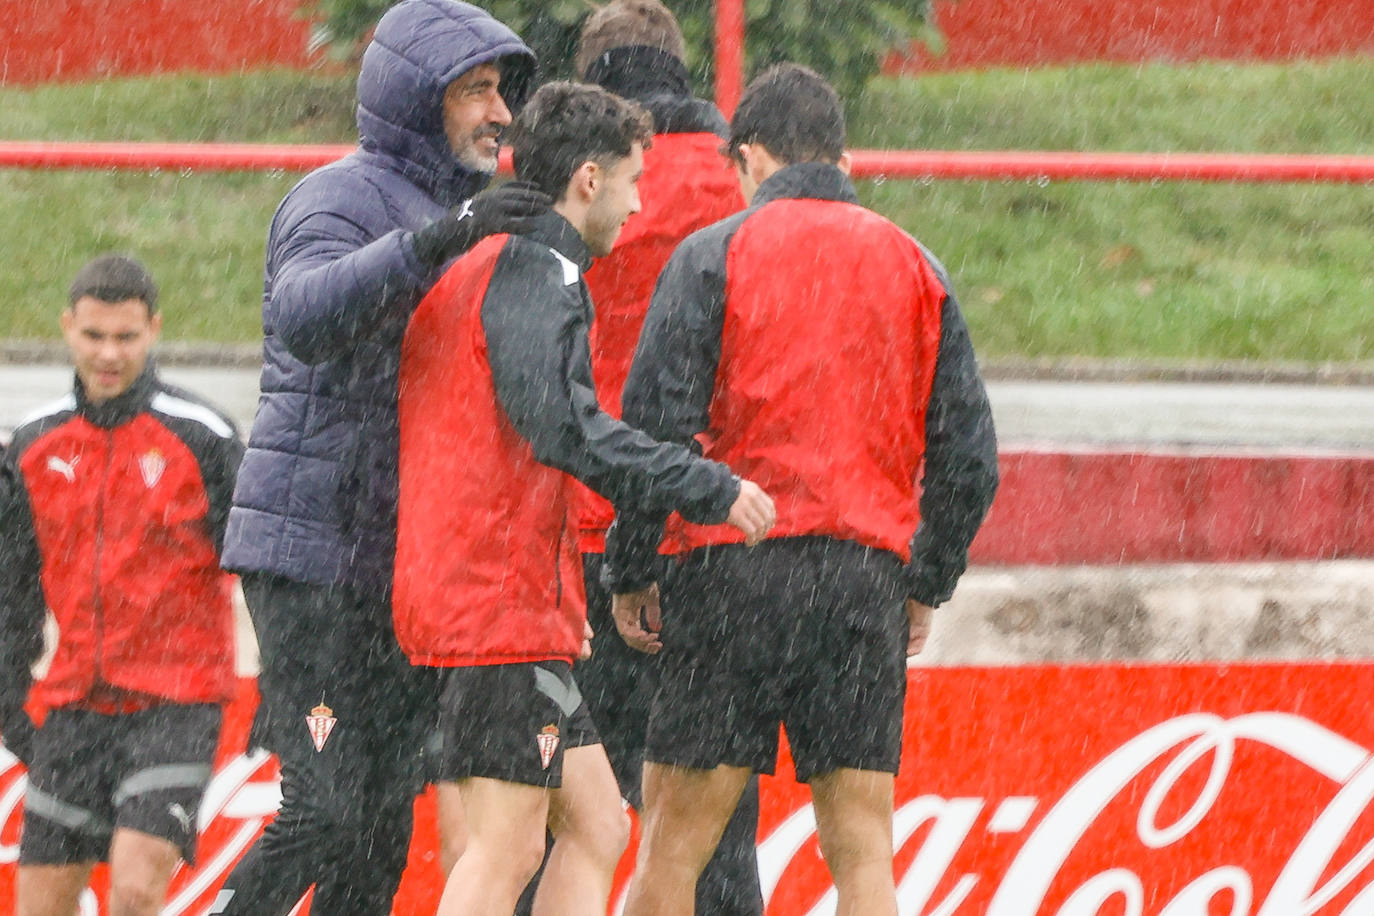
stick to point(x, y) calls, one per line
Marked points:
point(635, 49)
point(814, 346)
point(123, 488)
point(498, 414)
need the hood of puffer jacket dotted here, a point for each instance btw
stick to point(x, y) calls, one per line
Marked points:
point(417, 49)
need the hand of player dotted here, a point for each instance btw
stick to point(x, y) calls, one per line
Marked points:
point(918, 620)
point(513, 207)
point(639, 618)
point(587, 633)
point(753, 512)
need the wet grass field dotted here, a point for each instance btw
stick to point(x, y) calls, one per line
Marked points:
point(1166, 271)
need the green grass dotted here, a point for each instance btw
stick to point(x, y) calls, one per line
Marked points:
point(1175, 270)
point(1171, 271)
point(202, 235)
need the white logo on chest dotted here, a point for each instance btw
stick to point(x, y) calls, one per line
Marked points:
point(66, 468)
point(151, 464)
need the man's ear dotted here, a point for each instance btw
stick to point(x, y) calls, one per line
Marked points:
point(845, 162)
point(586, 181)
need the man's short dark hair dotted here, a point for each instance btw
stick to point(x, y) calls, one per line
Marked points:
point(566, 124)
point(793, 112)
point(114, 278)
point(629, 23)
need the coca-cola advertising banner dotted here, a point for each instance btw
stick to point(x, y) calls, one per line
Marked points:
point(1119, 790)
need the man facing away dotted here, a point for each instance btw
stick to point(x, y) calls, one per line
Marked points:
point(815, 347)
point(118, 500)
point(498, 409)
point(635, 49)
point(351, 250)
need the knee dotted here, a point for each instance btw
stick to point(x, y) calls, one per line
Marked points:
point(853, 847)
point(525, 856)
point(615, 835)
point(131, 897)
point(600, 837)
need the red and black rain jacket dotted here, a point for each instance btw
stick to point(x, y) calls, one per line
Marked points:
point(498, 415)
point(124, 509)
point(816, 348)
point(687, 185)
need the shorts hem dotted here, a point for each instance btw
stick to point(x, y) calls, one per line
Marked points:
point(697, 762)
point(869, 766)
point(509, 776)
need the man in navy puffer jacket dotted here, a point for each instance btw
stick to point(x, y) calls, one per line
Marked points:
point(351, 250)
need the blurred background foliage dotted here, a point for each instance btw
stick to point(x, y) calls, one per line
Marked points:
point(846, 41)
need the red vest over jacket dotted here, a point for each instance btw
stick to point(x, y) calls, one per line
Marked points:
point(827, 355)
point(687, 184)
point(487, 569)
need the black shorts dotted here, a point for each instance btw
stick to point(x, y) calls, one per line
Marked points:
point(511, 722)
point(93, 773)
point(805, 632)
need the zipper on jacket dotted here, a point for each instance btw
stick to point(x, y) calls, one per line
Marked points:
point(558, 563)
point(97, 606)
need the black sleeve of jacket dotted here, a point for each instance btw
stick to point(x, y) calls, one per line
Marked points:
point(22, 609)
point(960, 464)
point(220, 471)
point(536, 318)
point(669, 388)
point(218, 450)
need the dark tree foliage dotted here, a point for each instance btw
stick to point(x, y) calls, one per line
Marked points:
point(845, 40)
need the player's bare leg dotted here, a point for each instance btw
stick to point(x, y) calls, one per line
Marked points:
point(505, 823)
point(51, 890)
point(854, 824)
point(453, 824)
point(591, 829)
point(141, 867)
point(685, 812)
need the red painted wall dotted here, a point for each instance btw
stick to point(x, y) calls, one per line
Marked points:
point(70, 40)
point(1028, 33)
point(1100, 507)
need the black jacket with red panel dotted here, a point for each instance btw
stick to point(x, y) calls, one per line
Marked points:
point(118, 510)
point(687, 185)
point(498, 415)
point(816, 348)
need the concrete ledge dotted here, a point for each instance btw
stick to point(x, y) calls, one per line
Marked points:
point(248, 355)
point(1166, 613)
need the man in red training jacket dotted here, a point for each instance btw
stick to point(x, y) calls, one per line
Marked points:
point(119, 496)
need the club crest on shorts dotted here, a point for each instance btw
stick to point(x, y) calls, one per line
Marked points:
point(321, 722)
point(548, 743)
point(151, 464)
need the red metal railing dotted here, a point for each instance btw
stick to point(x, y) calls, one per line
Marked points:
point(918, 164)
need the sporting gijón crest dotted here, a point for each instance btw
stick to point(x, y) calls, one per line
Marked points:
point(321, 722)
point(151, 464)
point(548, 743)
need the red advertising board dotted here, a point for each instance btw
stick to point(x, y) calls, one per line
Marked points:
point(1112, 790)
